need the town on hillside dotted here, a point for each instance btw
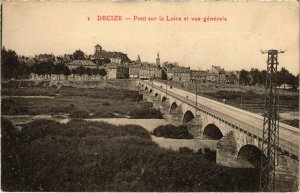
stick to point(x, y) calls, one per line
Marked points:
point(116, 65)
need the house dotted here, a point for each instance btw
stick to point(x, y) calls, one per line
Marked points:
point(84, 63)
point(212, 77)
point(116, 71)
point(199, 76)
point(151, 71)
point(232, 77)
point(179, 74)
point(220, 72)
point(134, 70)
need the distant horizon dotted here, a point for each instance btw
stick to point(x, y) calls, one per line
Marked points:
point(32, 28)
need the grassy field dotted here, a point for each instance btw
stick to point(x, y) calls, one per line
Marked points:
point(90, 156)
point(77, 102)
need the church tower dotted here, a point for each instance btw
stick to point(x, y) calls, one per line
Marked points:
point(138, 60)
point(98, 49)
point(157, 60)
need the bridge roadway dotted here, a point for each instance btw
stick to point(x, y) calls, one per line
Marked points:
point(249, 122)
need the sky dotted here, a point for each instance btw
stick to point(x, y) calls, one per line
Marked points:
point(32, 28)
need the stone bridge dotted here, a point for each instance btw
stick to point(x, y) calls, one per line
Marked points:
point(239, 132)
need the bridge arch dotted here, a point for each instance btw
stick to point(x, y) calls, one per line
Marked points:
point(173, 108)
point(146, 88)
point(163, 99)
point(213, 132)
point(156, 95)
point(188, 116)
point(252, 154)
point(150, 91)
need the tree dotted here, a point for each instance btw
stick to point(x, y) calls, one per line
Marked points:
point(285, 77)
point(245, 77)
point(102, 72)
point(78, 55)
point(256, 76)
point(10, 64)
point(43, 68)
point(263, 77)
point(61, 69)
point(79, 70)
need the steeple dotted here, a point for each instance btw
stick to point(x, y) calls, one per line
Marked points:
point(157, 60)
point(138, 60)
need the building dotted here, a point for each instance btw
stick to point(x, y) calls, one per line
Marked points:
point(138, 60)
point(134, 70)
point(220, 72)
point(157, 60)
point(179, 74)
point(102, 57)
point(232, 77)
point(117, 72)
point(98, 50)
point(150, 71)
point(84, 63)
point(199, 76)
point(116, 60)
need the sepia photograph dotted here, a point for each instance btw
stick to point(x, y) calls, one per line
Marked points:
point(150, 96)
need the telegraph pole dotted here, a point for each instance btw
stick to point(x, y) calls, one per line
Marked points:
point(270, 140)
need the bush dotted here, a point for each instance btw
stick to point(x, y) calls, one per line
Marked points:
point(210, 154)
point(79, 113)
point(171, 131)
point(39, 129)
point(145, 113)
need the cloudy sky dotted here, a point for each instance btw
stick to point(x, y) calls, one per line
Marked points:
point(31, 28)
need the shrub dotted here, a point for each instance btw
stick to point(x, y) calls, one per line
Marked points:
point(171, 131)
point(145, 113)
point(39, 129)
point(209, 154)
point(79, 113)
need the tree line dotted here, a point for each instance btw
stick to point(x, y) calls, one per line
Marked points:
point(257, 77)
point(11, 67)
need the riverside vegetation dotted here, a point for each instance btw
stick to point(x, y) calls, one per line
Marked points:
point(95, 156)
point(171, 131)
point(77, 102)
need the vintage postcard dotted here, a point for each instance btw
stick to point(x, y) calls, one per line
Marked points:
point(149, 96)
